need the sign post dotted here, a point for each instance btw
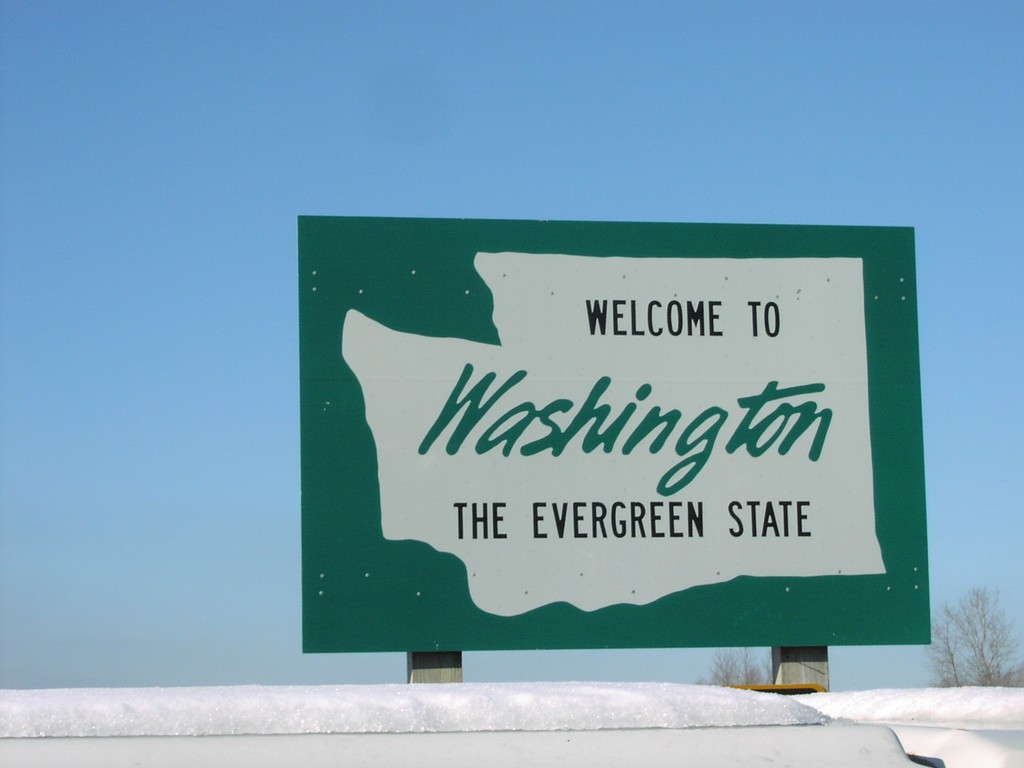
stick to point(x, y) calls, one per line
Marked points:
point(796, 666)
point(434, 667)
point(525, 434)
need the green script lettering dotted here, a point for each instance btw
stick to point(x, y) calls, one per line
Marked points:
point(536, 429)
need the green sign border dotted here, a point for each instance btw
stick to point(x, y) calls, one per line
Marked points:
point(364, 593)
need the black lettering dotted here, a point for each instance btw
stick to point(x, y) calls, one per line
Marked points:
point(650, 319)
point(713, 307)
point(617, 314)
point(537, 505)
point(618, 523)
point(636, 518)
point(801, 518)
point(753, 316)
point(461, 507)
point(479, 517)
point(785, 517)
point(597, 316)
point(633, 329)
point(560, 518)
point(655, 519)
point(695, 518)
point(734, 508)
point(673, 518)
point(577, 519)
point(771, 319)
point(497, 519)
point(694, 317)
point(675, 318)
point(600, 512)
point(769, 520)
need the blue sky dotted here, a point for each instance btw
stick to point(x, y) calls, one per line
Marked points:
point(154, 158)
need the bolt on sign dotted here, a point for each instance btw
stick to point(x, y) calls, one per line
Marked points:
point(544, 434)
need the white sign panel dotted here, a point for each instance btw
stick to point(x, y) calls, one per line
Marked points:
point(644, 426)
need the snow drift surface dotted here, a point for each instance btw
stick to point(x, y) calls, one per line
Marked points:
point(974, 708)
point(464, 707)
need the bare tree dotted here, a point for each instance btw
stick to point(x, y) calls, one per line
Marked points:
point(738, 666)
point(973, 643)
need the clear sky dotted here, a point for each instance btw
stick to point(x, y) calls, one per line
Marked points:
point(154, 158)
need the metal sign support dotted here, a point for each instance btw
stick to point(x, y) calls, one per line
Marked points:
point(434, 667)
point(800, 665)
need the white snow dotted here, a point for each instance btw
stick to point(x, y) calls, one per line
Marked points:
point(973, 708)
point(599, 724)
point(481, 707)
point(389, 709)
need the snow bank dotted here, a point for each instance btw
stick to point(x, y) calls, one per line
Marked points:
point(972, 708)
point(337, 709)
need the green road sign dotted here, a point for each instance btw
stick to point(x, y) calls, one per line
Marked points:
point(521, 434)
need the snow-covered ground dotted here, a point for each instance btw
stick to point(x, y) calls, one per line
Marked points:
point(390, 709)
point(602, 722)
point(961, 727)
point(964, 708)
